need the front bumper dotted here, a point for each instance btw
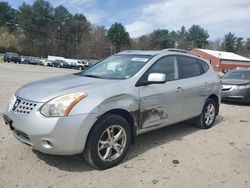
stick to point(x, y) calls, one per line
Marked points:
point(241, 95)
point(67, 135)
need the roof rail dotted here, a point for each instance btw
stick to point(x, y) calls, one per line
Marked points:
point(174, 50)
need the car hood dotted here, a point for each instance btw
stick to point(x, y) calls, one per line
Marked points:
point(44, 90)
point(235, 81)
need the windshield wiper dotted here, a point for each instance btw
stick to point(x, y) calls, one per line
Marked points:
point(91, 76)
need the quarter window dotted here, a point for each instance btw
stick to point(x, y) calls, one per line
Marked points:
point(204, 65)
point(167, 65)
point(189, 67)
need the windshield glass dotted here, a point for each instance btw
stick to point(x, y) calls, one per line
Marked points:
point(244, 75)
point(117, 67)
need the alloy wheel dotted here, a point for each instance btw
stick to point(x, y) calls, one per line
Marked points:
point(209, 114)
point(112, 143)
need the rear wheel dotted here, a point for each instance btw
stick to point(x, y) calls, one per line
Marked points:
point(208, 115)
point(108, 142)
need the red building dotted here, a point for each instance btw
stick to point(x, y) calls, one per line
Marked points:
point(223, 60)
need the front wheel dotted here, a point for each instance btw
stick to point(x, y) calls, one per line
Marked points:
point(208, 115)
point(108, 142)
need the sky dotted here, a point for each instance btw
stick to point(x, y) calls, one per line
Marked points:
point(140, 17)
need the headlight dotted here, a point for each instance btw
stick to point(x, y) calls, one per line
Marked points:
point(61, 106)
point(244, 86)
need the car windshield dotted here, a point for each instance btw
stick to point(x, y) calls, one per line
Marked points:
point(117, 67)
point(244, 75)
point(13, 54)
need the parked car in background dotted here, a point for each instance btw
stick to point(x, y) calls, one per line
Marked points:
point(11, 57)
point(46, 62)
point(236, 86)
point(36, 61)
point(100, 111)
point(23, 59)
point(60, 64)
point(80, 65)
point(33, 61)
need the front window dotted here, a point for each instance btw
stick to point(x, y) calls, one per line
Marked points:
point(244, 75)
point(117, 67)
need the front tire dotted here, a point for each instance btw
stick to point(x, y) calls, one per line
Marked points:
point(207, 117)
point(108, 142)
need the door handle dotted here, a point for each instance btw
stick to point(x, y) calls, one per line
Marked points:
point(179, 90)
point(206, 83)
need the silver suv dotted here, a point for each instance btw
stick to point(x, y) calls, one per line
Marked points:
point(99, 111)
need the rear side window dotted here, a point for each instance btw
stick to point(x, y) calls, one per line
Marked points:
point(204, 65)
point(189, 67)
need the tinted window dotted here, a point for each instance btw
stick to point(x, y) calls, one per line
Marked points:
point(189, 67)
point(167, 65)
point(204, 65)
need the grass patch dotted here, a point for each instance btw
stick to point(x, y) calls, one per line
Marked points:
point(1, 58)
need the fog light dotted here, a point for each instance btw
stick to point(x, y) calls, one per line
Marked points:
point(47, 144)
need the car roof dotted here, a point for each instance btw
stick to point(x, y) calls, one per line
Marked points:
point(139, 52)
point(156, 52)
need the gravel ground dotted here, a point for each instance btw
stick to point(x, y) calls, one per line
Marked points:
point(175, 156)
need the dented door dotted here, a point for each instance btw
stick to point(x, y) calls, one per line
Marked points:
point(161, 104)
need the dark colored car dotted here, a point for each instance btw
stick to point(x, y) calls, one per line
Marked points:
point(33, 61)
point(11, 57)
point(236, 86)
point(60, 64)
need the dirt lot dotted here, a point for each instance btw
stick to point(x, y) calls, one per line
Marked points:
point(218, 157)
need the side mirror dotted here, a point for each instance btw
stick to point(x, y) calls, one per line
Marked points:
point(156, 78)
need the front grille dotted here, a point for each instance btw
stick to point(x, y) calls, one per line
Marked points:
point(24, 106)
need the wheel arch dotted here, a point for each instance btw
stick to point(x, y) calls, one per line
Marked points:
point(123, 113)
point(215, 98)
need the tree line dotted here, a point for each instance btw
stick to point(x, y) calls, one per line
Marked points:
point(39, 29)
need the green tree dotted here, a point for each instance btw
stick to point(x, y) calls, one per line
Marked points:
point(248, 43)
point(118, 36)
point(62, 14)
point(229, 42)
point(8, 16)
point(161, 39)
point(34, 21)
point(73, 31)
point(56, 28)
point(43, 14)
point(239, 45)
point(181, 39)
point(27, 41)
point(197, 36)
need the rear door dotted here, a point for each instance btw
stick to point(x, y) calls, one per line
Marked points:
point(196, 86)
point(161, 104)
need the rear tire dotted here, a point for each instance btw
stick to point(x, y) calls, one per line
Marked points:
point(108, 142)
point(208, 115)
